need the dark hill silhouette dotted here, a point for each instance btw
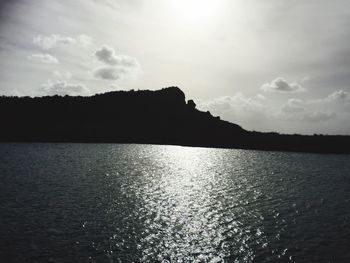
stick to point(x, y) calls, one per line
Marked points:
point(155, 117)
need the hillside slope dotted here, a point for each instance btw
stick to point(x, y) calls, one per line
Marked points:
point(159, 117)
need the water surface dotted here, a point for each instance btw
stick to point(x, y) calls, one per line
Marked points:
point(145, 203)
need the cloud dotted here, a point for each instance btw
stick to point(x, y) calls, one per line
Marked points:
point(51, 41)
point(281, 85)
point(108, 56)
point(109, 73)
point(62, 74)
point(293, 106)
point(239, 100)
point(84, 40)
point(44, 58)
point(339, 95)
point(259, 113)
point(318, 116)
point(298, 110)
point(249, 112)
point(48, 42)
point(61, 87)
point(116, 66)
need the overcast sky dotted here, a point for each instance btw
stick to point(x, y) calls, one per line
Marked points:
point(266, 65)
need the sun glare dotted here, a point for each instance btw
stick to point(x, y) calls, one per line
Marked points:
point(195, 10)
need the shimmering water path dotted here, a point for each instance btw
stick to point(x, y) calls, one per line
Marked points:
point(144, 203)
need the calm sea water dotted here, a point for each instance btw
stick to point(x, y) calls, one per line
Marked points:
point(144, 203)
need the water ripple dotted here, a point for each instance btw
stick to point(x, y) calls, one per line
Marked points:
point(144, 203)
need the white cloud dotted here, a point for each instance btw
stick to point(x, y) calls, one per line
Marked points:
point(51, 41)
point(118, 66)
point(61, 87)
point(44, 58)
point(281, 85)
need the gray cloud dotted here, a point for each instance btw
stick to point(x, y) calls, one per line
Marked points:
point(44, 58)
point(338, 98)
point(109, 73)
point(62, 88)
point(300, 110)
point(118, 66)
point(339, 95)
point(281, 85)
point(108, 56)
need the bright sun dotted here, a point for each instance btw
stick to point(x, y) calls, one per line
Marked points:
point(194, 10)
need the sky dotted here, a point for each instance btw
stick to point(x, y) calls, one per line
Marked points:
point(269, 65)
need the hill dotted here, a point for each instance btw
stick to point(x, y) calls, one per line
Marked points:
point(155, 117)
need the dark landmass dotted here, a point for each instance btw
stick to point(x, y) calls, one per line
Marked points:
point(152, 117)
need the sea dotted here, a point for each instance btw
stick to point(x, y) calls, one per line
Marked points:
point(151, 203)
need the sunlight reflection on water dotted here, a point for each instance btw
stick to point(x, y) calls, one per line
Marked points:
point(185, 226)
point(185, 206)
point(144, 203)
